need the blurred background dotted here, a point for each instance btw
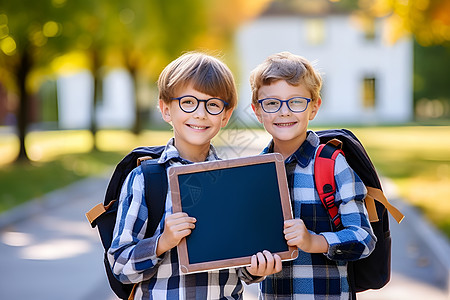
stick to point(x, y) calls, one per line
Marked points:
point(78, 83)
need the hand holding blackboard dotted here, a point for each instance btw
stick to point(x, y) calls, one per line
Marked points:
point(176, 227)
point(264, 264)
point(240, 206)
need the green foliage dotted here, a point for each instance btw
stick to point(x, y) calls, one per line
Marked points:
point(48, 102)
point(431, 72)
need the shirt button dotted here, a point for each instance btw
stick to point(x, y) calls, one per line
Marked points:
point(338, 252)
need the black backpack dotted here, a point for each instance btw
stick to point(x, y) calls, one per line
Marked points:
point(372, 272)
point(103, 215)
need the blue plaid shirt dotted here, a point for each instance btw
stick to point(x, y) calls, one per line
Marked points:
point(322, 276)
point(133, 257)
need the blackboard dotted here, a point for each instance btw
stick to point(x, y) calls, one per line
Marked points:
point(240, 205)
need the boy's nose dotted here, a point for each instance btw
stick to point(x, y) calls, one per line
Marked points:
point(201, 112)
point(284, 109)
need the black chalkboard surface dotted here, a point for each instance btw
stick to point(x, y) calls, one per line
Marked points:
point(240, 206)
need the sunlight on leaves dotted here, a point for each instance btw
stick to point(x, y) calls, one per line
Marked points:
point(51, 29)
point(8, 46)
point(44, 146)
point(70, 63)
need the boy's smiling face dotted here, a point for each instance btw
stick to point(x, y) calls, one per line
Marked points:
point(193, 131)
point(287, 128)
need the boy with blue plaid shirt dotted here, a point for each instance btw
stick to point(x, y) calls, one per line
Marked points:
point(197, 96)
point(285, 97)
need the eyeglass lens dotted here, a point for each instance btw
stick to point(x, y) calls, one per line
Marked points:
point(213, 106)
point(295, 104)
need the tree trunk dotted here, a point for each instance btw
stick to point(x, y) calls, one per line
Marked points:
point(24, 108)
point(97, 95)
point(137, 128)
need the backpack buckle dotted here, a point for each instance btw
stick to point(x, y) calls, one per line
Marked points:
point(337, 222)
point(329, 200)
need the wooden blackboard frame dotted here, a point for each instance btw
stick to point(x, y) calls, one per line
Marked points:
point(274, 163)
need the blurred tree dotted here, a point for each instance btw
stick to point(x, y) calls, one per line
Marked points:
point(89, 26)
point(427, 20)
point(29, 38)
point(141, 35)
point(149, 34)
point(431, 74)
point(224, 18)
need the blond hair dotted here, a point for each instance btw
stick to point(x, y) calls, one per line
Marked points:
point(206, 73)
point(294, 69)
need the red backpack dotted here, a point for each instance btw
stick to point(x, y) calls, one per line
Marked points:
point(372, 272)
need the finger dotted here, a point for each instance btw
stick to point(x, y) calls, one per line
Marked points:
point(182, 226)
point(261, 262)
point(278, 264)
point(293, 235)
point(294, 242)
point(254, 262)
point(295, 230)
point(183, 233)
point(291, 227)
point(269, 261)
point(185, 219)
point(289, 230)
point(268, 256)
point(291, 222)
point(178, 215)
point(180, 219)
point(253, 265)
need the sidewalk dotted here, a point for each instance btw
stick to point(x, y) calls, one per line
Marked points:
point(49, 251)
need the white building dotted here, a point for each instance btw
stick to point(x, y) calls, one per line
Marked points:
point(366, 80)
point(75, 101)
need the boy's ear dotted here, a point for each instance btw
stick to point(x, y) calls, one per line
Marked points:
point(315, 108)
point(226, 117)
point(257, 111)
point(165, 111)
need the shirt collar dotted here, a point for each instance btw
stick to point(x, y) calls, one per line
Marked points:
point(304, 154)
point(171, 153)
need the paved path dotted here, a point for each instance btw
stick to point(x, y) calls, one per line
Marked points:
point(48, 251)
point(54, 254)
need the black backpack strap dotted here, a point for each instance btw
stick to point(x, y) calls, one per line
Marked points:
point(155, 179)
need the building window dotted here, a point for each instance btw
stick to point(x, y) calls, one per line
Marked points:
point(369, 92)
point(315, 31)
point(369, 28)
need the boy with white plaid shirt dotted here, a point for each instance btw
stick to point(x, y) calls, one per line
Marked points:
point(285, 97)
point(197, 96)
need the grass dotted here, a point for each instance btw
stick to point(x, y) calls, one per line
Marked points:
point(417, 159)
point(59, 158)
point(24, 181)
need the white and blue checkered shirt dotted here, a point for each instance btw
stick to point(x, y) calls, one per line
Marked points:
point(133, 257)
point(322, 276)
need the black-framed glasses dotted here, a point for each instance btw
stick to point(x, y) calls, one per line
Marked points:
point(295, 104)
point(189, 104)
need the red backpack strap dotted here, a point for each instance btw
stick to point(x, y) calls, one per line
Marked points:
point(324, 178)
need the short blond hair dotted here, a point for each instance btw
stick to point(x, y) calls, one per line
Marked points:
point(294, 69)
point(206, 73)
